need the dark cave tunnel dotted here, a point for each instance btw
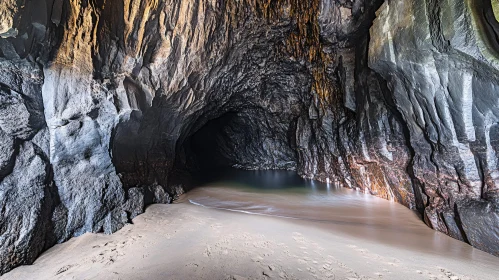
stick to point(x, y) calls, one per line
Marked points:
point(203, 148)
point(255, 129)
point(228, 148)
point(250, 123)
point(238, 139)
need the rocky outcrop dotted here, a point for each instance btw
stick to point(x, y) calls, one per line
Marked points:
point(442, 71)
point(108, 106)
point(27, 228)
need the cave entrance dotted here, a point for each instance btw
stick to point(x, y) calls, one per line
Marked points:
point(251, 138)
point(252, 119)
point(206, 148)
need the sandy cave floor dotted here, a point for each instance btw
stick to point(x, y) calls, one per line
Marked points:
point(185, 241)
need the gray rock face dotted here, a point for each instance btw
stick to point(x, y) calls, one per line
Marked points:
point(443, 77)
point(26, 200)
point(6, 152)
point(111, 107)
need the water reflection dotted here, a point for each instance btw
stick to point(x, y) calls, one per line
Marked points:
point(335, 209)
point(259, 179)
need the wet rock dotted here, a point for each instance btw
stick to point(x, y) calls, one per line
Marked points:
point(479, 220)
point(445, 89)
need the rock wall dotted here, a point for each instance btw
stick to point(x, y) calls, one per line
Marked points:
point(106, 106)
point(440, 61)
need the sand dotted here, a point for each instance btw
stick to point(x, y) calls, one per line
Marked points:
point(186, 241)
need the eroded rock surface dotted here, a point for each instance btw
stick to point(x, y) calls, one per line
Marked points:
point(112, 105)
point(443, 77)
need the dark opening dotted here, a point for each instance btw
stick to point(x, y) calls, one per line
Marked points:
point(205, 147)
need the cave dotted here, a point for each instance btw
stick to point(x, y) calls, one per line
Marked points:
point(204, 146)
point(255, 129)
point(112, 111)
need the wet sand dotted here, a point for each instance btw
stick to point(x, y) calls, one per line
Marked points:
point(185, 241)
point(341, 210)
point(243, 232)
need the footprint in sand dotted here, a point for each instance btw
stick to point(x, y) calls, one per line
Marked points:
point(194, 265)
point(64, 269)
point(207, 251)
point(257, 259)
point(449, 274)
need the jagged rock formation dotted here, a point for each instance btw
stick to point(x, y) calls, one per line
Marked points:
point(445, 88)
point(107, 106)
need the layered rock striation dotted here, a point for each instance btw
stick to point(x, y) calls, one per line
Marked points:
point(107, 106)
point(441, 65)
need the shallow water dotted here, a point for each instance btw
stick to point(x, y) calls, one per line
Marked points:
point(335, 209)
